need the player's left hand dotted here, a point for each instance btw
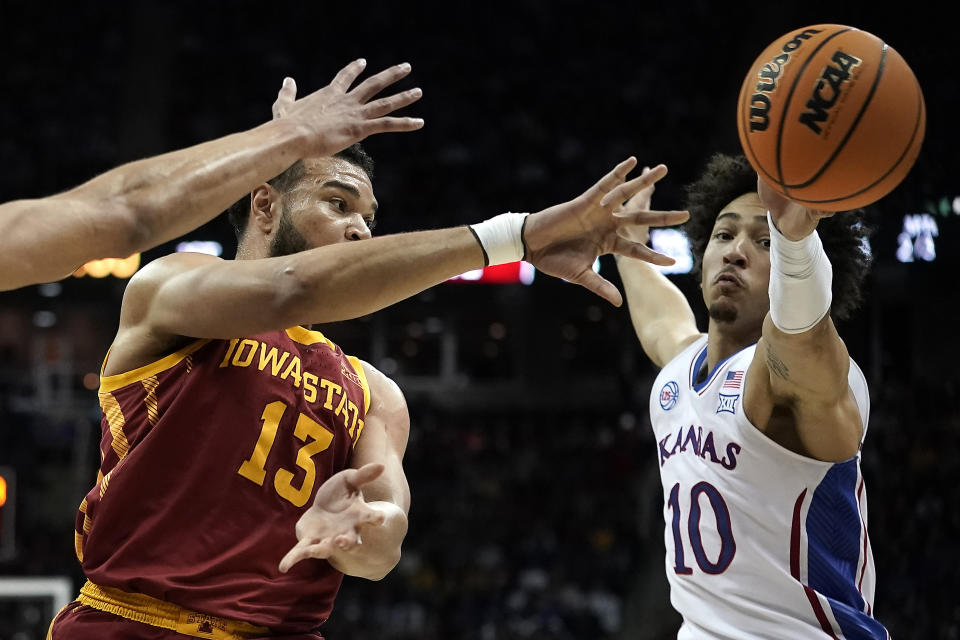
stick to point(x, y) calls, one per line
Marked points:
point(565, 240)
point(335, 520)
point(794, 220)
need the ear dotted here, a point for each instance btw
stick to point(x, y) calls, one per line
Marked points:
point(265, 208)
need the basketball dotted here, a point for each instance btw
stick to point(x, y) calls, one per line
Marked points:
point(831, 117)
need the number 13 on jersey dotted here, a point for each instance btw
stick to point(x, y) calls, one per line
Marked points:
point(315, 438)
point(728, 546)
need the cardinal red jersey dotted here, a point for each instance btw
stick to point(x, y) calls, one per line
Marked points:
point(209, 458)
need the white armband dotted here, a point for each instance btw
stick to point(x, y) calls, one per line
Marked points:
point(800, 281)
point(501, 238)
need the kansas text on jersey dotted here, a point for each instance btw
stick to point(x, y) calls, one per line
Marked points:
point(761, 542)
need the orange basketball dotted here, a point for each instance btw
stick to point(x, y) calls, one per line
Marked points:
point(831, 117)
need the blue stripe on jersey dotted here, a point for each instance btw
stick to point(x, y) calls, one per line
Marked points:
point(833, 551)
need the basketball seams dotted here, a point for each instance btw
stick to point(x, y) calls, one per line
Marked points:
point(881, 66)
point(863, 135)
point(921, 118)
point(745, 113)
point(786, 105)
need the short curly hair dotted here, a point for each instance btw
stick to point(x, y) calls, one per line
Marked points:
point(845, 236)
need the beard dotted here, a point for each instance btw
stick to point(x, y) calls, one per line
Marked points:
point(723, 312)
point(287, 240)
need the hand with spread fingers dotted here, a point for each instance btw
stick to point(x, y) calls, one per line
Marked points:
point(565, 240)
point(335, 117)
point(640, 201)
point(337, 518)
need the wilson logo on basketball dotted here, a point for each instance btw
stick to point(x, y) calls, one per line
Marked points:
point(831, 117)
point(827, 89)
point(768, 76)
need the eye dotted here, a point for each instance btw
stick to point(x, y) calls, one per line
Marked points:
point(371, 223)
point(723, 235)
point(765, 243)
point(339, 203)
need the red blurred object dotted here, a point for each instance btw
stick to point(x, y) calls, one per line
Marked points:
point(510, 273)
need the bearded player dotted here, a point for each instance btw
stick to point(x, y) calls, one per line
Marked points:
point(248, 463)
point(760, 421)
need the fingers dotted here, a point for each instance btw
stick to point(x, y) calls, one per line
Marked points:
point(641, 251)
point(371, 516)
point(634, 232)
point(305, 549)
point(285, 97)
point(629, 189)
point(346, 76)
point(390, 125)
point(593, 281)
point(345, 541)
point(377, 83)
point(641, 198)
point(650, 218)
point(608, 182)
point(383, 106)
point(364, 475)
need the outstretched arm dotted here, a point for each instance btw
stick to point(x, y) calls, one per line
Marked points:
point(364, 538)
point(352, 279)
point(660, 313)
point(142, 204)
point(801, 363)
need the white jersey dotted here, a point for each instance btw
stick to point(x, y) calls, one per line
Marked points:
point(761, 542)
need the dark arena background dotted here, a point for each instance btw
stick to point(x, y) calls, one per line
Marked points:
point(536, 498)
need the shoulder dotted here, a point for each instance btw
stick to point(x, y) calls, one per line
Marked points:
point(385, 394)
point(687, 349)
point(157, 271)
point(147, 281)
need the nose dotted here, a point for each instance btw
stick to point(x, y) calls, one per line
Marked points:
point(357, 229)
point(736, 252)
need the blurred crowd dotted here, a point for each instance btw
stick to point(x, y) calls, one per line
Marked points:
point(543, 526)
point(546, 524)
point(530, 519)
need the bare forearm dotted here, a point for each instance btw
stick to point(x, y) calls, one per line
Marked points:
point(660, 313)
point(167, 195)
point(138, 205)
point(355, 279)
point(379, 551)
point(327, 284)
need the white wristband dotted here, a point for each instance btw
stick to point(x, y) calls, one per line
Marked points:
point(501, 238)
point(801, 277)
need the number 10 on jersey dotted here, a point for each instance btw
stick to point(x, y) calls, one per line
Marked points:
point(728, 546)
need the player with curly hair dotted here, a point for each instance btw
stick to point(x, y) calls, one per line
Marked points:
point(759, 421)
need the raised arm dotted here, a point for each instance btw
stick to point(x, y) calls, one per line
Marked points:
point(801, 363)
point(363, 539)
point(142, 204)
point(660, 313)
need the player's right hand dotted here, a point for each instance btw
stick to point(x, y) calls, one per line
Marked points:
point(335, 520)
point(641, 201)
point(794, 220)
point(565, 240)
point(334, 117)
